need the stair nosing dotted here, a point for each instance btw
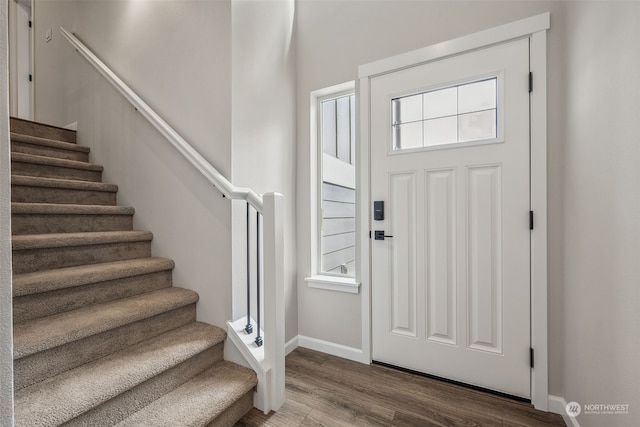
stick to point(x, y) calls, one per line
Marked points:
point(56, 162)
point(46, 142)
point(21, 208)
point(125, 374)
point(70, 277)
point(97, 319)
point(68, 184)
point(209, 410)
point(59, 240)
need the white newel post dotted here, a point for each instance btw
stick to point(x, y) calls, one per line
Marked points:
point(273, 250)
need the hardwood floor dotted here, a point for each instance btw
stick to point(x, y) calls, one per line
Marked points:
point(324, 390)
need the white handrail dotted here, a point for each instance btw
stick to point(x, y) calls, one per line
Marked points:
point(200, 163)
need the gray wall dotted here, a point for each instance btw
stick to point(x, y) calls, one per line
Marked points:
point(6, 340)
point(600, 222)
point(178, 58)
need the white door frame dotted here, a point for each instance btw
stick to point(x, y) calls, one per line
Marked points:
point(535, 28)
point(21, 91)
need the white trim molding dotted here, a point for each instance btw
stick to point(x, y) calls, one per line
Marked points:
point(534, 28)
point(291, 345)
point(333, 283)
point(538, 170)
point(558, 405)
point(339, 350)
point(315, 170)
point(514, 30)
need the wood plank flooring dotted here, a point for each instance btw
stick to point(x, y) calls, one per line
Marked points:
point(324, 390)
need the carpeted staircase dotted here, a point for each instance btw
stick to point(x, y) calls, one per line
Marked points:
point(101, 337)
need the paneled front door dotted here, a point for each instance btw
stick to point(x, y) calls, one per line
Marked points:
point(450, 160)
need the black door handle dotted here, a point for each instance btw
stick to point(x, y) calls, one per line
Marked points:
point(379, 235)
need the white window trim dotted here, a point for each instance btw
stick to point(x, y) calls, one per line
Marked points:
point(333, 283)
point(317, 279)
point(535, 28)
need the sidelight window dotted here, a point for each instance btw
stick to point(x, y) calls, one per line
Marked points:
point(337, 192)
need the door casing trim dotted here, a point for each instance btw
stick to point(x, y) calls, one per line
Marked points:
point(535, 28)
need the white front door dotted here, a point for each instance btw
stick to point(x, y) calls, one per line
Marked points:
point(450, 161)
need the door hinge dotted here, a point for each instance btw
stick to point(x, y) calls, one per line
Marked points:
point(30, 24)
point(530, 82)
point(30, 77)
point(530, 220)
point(369, 233)
point(531, 356)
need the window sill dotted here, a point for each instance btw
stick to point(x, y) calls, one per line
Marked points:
point(333, 283)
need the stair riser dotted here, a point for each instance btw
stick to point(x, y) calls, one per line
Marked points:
point(122, 406)
point(42, 150)
point(233, 413)
point(40, 366)
point(30, 260)
point(30, 307)
point(42, 131)
point(29, 194)
point(49, 171)
point(61, 223)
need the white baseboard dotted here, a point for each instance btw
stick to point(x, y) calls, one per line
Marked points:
point(291, 345)
point(72, 126)
point(331, 348)
point(558, 405)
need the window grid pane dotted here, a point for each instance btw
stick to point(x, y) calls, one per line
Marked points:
point(462, 113)
point(329, 127)
point(477, 96)
point(477, 126)
point(443, 130)
point(352, 115)
point(343, 129)
point(441, 103)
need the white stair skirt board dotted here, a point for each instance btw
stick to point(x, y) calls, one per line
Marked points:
point(333, 349)
point(254, 355)
point(558, 405)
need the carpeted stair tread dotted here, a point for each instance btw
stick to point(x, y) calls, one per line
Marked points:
point(70, 184)
point(69, 209)
point(199, 401)
point(33, 164)
point(47, 142)
point(53, 161)
point(59, 240)
point(44, 130)
point(100, 335)
point(75, 392)
point(48, 332)
point(48, 218)
point(50, 280)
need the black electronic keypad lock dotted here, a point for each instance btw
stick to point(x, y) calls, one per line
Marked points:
point(378, 210)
